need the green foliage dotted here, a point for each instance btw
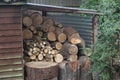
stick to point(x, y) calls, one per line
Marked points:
point(107, 46)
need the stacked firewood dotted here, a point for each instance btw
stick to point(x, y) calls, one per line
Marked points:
point(46, 40)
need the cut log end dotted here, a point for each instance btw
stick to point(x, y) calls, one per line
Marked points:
point(27, 34)
point(58, 58)
point(27, 21)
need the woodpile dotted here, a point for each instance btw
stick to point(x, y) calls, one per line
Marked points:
point(48, 41)
point(44, 40)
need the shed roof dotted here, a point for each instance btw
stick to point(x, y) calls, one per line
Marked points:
point(51, 8)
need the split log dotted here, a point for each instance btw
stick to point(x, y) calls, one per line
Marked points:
point(41, 70)
point(51, 36)
point(27, 34)
point(82, 43)
point(68, 70)
point(60, 25)
point(85, 67)
point(27, 21)
point(36, 18)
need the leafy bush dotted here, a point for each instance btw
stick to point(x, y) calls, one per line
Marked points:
point(108, 45)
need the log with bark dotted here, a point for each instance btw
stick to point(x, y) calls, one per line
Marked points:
point(69, 70)
point(41, 70)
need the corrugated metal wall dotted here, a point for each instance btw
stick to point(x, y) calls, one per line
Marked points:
point(11, 66)
point(81, 23)
point(57, 2)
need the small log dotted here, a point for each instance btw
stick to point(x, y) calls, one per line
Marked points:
point(27, 34)
point(74, 38)
point(69, 31)
point(51, 28)
point(62, 37)
point(51, 36)
point(40, 33)
point(70, 48)
point(82, 43)
point(73, 58)
point(32, 28)
point(40, 57)
point(41, 70)
point(27, 21)
point(46, 24)
point(58, 58)
point(32, 57)
point(59, 25)
point(37, 19)
point(57, 45)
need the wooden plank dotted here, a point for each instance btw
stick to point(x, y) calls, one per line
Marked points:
point(10, 55)
point(11, 67)
point(10, 20)
point(10, 26)
point(13, 78)
point(10, 32)
point(11, 74)
point(10, 61)
point(10, 9)
point(12, 50)
point(10, 45)
point(10, 14)
point(10, 39)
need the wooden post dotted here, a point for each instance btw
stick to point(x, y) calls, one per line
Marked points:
point(95, 30)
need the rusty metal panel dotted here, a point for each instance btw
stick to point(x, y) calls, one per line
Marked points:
point(11, 44)
point(83, 24)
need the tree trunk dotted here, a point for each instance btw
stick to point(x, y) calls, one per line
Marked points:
point(68, 70)
point(41, 70)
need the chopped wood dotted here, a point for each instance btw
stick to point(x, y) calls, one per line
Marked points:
point(73, 57)
point(51, 28)
point(27, 34)
point(70, 48)
point(40, 57)
point(27, 21)
point(68, 70)
point(60, 25)
point(51, 36)
point(47, 23)
point(36, 18)
point(58, 58)
point(74, 38)
point(69, 31)
point(32, 57)
point(62, 37)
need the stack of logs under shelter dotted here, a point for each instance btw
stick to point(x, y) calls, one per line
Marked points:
point(49, 41)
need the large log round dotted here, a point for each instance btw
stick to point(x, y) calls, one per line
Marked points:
point(41, 70)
